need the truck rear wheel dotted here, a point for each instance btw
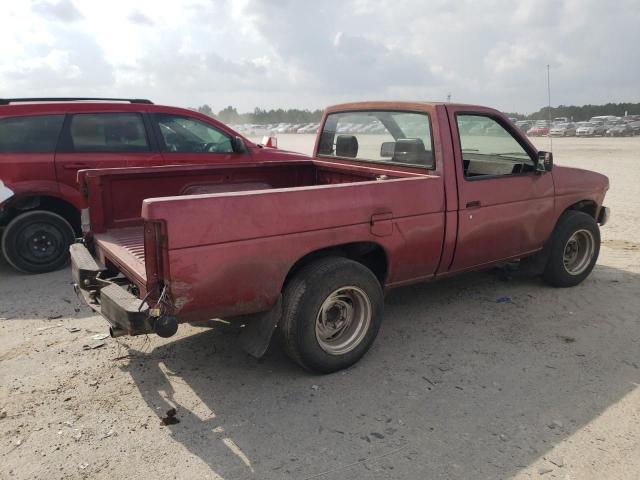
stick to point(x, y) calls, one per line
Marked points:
point(37, 242)
point(332, 310)
point(574, 249)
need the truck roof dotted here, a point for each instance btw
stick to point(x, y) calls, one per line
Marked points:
point(392, 105)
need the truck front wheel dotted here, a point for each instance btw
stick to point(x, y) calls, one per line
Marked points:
point(574, 249)
point(37, 242)
point(332, 310)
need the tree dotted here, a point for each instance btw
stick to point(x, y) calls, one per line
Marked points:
point(206, 110)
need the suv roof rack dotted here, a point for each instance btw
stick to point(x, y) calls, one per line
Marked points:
point(7, 101)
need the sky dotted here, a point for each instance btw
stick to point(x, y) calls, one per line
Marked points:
point(301, 54)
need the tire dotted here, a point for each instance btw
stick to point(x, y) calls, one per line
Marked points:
point(37, 242)
point(328, 287)
point(573, 251)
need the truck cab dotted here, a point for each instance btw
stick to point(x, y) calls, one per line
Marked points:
point(396, 193)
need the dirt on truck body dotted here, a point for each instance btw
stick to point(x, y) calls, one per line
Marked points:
point(395, 193)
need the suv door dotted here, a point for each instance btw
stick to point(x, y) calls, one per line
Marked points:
point(505, 206)
point(103, 140)
point(185, 139)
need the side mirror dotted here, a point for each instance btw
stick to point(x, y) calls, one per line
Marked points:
point(238, 145)
point(387, 149)
point(545, 162)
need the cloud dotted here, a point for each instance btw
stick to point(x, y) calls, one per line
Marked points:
point(62, 10)
point(140, 18)
point(285, 53)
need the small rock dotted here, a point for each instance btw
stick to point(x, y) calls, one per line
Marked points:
point(83, 466)
point(99, 336)
point(171, 418)
point(377, 435)
point(78, 435)
point(55, 316)
point(17, 442)
point(93, 383)
point(315, 387)
point(503, 437)
point(556, 424)
point(3, 414)
point(544, 470)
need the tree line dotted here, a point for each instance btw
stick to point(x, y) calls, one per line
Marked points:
point(262, 116)
point(580, 113)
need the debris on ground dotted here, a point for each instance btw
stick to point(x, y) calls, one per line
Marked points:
point(315, 387)
point(73, 329)
point(566, 339)
point(83, 466)
point(504, 300)
point(93, 383)
point(55, 316)
point(42, 329)
point(544, 470)
point(93, 346)
point(557, 461)
point(99, 336)
point(171, 418)
point(3, 413)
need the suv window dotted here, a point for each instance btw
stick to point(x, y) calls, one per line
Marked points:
point(188, 135)
point(488, 149)
point(108, 132)
point(378, 136)
point(33, 134)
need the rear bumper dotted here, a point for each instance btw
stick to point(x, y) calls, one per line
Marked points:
point(126, 314)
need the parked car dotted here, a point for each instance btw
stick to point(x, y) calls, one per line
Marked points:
point(620, 130)
point(635, 127)
point(524, 125)
point(308, 247)
point(590, 129)
point(44, 142)
point(563, 130)
point(538, 131)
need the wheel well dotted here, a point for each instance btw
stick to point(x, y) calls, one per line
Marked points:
point(369, 254)
point(43, 202)
point(587, 206)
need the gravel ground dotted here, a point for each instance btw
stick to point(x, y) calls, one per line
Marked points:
point(457, 385)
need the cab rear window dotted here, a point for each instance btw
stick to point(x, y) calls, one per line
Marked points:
point(30, 134)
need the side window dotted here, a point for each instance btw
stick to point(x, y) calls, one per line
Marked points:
point(188, 135)
point(490, 150)
point(37, 134)
point(108, 132)
point(379, 136)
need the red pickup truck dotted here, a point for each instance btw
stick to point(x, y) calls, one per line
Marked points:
point(396, 193)
point(45, 141)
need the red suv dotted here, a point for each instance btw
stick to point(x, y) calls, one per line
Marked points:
point(45, 141)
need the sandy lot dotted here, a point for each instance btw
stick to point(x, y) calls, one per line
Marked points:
point(456, 386)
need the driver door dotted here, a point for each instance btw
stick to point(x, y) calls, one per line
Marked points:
point(186, 140)
point(506, 208)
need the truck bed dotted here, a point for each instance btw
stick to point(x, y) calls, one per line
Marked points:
point(124, 247)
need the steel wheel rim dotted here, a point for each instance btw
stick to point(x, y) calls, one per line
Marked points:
point(578, 252)
point(343, 320)
point(40, 243)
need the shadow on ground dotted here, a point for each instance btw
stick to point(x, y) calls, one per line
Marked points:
point(456, 386)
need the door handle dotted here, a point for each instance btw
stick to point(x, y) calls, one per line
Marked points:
point(75, 166)
point(473, 204)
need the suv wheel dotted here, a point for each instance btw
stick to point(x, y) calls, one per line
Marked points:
point(332, 310)
point(37, 242)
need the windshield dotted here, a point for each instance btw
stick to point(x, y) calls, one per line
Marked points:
point(378, 136)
